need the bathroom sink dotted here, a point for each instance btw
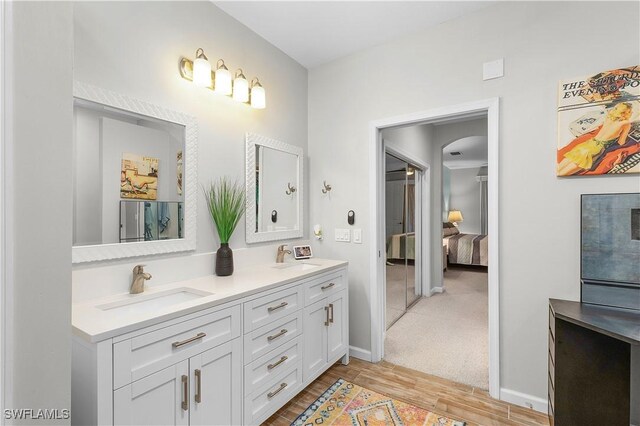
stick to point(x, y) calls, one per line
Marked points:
point(141, 303)
point(297, 266)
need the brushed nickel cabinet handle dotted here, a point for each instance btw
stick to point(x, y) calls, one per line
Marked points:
point(324, 287)
point(185, 392)
point(273, 308)
point(189, 340)
point(326, 309)
point(331, 310)
point(198, 396)
point(275, 336)
point(277, 391)
point(275, 364)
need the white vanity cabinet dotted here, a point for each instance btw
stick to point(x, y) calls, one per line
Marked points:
point(233, 363)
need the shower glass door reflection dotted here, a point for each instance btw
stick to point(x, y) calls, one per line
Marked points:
point(402, 288)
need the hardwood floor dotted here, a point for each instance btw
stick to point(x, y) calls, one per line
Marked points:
point(455, 400)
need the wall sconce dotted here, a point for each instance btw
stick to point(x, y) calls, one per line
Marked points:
point(201, 69)
point(290, 189)
point(220, 81)
point(240, 87)
point(258, 99)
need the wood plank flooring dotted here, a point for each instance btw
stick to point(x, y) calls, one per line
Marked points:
point(455, 400)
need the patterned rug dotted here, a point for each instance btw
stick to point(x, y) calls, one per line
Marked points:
point(345, 403)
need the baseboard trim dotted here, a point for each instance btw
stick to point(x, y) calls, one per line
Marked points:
point(524, 400)
point(436, 290)
point(360, 353)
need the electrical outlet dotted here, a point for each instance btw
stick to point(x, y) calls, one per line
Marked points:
point(357, 236)
point(343, 235)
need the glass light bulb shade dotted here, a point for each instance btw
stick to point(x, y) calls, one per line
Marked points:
point(201, 72)
point(223, 81)
point(240, 89)
point(258, 98)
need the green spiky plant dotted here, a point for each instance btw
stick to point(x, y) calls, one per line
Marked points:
point(225, 201)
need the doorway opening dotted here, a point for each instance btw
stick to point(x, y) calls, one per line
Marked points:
point(433, 252)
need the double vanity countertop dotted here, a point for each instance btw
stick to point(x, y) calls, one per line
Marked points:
point(99, 319)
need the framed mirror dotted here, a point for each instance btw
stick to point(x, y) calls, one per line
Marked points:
point(134, 177)
point(275, 187)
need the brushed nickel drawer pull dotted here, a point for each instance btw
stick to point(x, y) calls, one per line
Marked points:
point(198, 396)
point(274, 365)
point(189, 340)
point(275, 336)
point(185, 392)
point(273, 308)
point(277, 391)
point(324, 287)
point(326, 309)
point(331, 310)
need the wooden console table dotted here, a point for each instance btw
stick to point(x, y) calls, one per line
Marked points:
point(590, 363)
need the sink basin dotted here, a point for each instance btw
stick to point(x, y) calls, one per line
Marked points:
point(297, 266)
point(141, 303)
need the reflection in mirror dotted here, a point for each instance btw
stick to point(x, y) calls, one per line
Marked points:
point(150, 221)
point(275, 184)
point(276, 202)
point(129, 150)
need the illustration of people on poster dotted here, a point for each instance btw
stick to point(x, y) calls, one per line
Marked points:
point(599, 124)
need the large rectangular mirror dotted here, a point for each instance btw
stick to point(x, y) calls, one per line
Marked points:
point(133, 177)
point(274, 182)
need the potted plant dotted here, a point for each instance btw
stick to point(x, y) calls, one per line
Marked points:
point(226, 203)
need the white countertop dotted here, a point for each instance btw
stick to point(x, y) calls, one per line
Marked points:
point(94, 324)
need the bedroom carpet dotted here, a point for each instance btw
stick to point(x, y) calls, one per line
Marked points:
point(446, 335)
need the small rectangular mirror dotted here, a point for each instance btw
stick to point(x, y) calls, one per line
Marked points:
point(274, 174)
point(130, 173)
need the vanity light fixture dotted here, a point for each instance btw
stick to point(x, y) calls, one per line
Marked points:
point(223, 79)
point(240, 87)
point(258, 98)
point(201, 69)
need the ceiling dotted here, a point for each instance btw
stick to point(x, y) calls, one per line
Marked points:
point(473, 150)
point(316, 32)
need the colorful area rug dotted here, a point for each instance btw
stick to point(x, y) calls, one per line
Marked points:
point(345, 403)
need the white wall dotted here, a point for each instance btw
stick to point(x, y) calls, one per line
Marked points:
point(37, 96)
point(443, 66)
point(465, 196)
point(134, 48)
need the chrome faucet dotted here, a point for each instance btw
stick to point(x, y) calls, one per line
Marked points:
point(139, 277)
point(281, 253)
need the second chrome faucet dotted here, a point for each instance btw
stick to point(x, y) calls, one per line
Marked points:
point(281, 252)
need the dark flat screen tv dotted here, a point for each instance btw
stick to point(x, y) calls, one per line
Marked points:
point(610, 250)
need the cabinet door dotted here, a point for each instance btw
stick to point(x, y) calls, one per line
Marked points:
point(154, 400)
point(315, 338)
point(216, 385)
point(338, 332)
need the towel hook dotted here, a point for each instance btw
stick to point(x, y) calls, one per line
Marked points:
point(326, 188)
point(290, 189)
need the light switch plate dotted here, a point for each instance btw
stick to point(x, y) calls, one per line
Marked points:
point(357, 236)
point(343, 235)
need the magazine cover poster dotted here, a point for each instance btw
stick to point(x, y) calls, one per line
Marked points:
point(599, 124)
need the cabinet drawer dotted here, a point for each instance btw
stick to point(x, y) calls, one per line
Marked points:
point(263, 310)
point(142, 355)
point(320, 288)
point(272, 336)
point(268, 399)
point(272, 364)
